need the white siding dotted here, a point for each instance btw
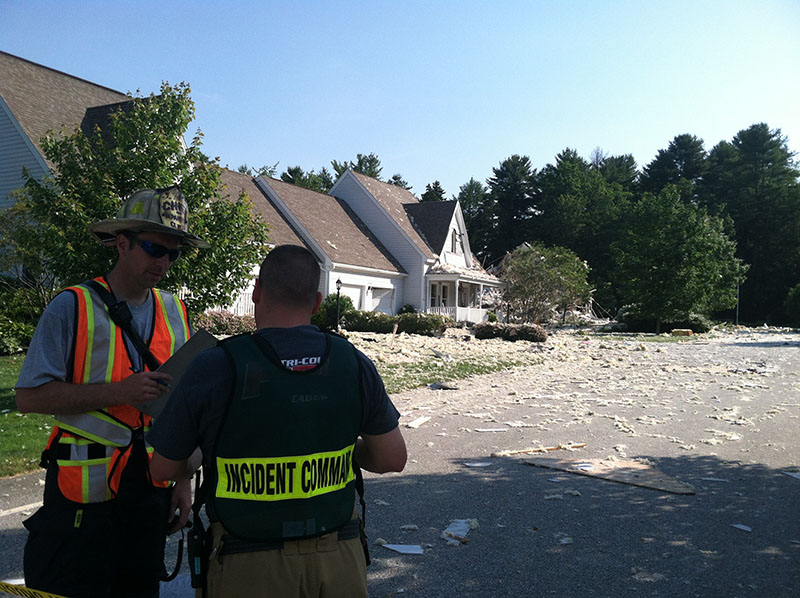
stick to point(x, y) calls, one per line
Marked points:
point(359, 287)
point(386, 230)
point(16, 152)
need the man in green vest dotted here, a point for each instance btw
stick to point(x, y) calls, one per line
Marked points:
point(284, 418)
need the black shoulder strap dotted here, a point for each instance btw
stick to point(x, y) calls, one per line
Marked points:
point(121, 315)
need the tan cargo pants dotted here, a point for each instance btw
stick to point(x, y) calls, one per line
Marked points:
point(321, 567)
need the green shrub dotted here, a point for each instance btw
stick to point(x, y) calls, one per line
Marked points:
point(223, 323)
point(424, 324)
point(14, 336)
point(634, 322)
point(369, 321)
point(792, 305)
point(325, 318)
point(491, 316)
point(510, 332)
point(407, 309)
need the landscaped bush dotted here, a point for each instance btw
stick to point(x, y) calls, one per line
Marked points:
point(407, 309)
point(425, 324)
point(14, 336)
point(325, 318)
point(510, 332)
point(633, 322)
point(223, 323)
point(369, 321)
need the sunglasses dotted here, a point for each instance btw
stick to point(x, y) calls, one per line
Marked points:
point(155, 250)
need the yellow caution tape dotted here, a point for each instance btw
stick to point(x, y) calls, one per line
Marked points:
point(26, 592)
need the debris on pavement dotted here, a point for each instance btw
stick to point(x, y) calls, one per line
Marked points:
point(417, 422)
point(634, 473)
point(442, 386)
point(404, 548)
point(741, 526)
point(491, 429)
point(478, 464)
point(456, 533)
point(569, 446)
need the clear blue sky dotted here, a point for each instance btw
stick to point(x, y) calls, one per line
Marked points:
point(438, 90)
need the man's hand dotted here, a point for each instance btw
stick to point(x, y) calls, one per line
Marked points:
point(143, 387)
point(180, 505)
point(58, 398)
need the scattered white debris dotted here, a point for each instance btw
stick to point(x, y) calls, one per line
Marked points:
point(404, 548)
point(741, 526)
point(417, 422)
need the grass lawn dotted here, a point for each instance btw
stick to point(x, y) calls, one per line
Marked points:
point(24, 436)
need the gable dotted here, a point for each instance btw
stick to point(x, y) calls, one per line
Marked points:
point(44, 99)
point(333, 226)
point(432, 220)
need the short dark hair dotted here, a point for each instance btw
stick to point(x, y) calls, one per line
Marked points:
point(289, 275)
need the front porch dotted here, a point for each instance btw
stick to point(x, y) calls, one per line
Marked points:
point(456, 298)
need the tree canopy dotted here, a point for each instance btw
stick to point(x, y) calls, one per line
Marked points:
point(433, 192)
point(141, 146)
point(674, 259)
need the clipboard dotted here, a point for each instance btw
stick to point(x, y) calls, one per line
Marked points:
point(177, 364)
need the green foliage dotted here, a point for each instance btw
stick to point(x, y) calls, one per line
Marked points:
point(477, 206)
point(491, 316)
point(325, 318)
point(540, 279)
point(140, 146)
point(512, 188)
point(675, 259)
point(366, 164)
point(14, 336)
point(320, 182)
point(433, 192)
point(223, 323)
point(634, 321)
point(407, 309)
point(683, 163)
point(792, 305)
point(399, 181)
point(369, 321)
point(510, 332)
point(424, 324)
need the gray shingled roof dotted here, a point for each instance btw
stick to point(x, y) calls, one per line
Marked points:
point(432, 220)
point(335, 227)
point(280, 232)
point(44, 99)
point(393, 199)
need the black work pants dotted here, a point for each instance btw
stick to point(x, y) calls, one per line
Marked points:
point(102, 550)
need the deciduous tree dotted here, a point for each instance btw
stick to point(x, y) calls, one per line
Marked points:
point(140, 146)
point(674, 259)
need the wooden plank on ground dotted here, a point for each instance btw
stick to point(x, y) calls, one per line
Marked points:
point(634, 473)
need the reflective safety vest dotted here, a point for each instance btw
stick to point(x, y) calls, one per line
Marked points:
point(92, 449)
point(284, 454)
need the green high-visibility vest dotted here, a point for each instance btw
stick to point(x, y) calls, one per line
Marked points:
point(284, 455)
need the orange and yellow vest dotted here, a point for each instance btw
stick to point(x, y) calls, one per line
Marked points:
point(93, 448)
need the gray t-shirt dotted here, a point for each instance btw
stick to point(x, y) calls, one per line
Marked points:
point(196, 408)
point(51, 346)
